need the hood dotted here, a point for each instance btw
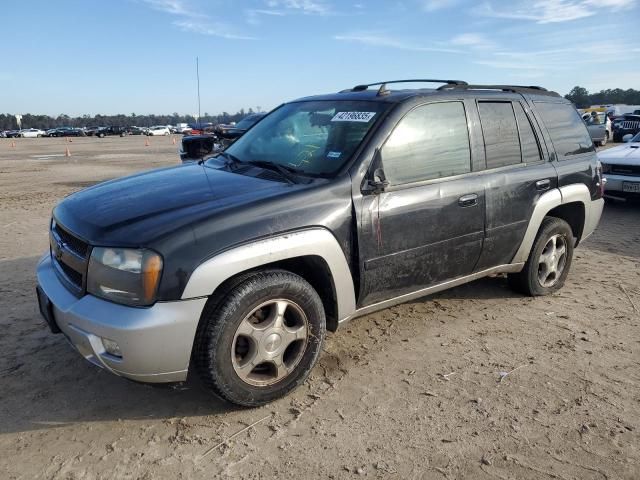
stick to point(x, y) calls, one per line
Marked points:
point(149, 205)
point(627, 154)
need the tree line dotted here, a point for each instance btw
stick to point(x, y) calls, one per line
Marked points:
point(580, 96)
point(583, 99)
point(8, 121)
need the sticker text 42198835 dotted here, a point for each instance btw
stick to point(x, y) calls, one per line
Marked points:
point(363, 117)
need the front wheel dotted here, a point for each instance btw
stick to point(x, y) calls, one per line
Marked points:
point(261, 339)
point(549, 261)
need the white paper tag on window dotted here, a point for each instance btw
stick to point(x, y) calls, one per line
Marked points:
point(363, 117)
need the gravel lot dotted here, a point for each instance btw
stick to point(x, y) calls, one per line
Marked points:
point(409, 392)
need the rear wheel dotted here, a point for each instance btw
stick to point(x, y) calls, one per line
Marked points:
point(261, 339)
point(549, 261)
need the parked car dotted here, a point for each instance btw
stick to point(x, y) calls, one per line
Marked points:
point(197, 147)
point(110, 131)
point(330, 208)
point(232, 132)
point(31, 133)
point(66, 132)
point(136, 131)
point(621, 168)
point(159, 130)
point(183, 128)
point(628, 124)
point(91, 131)
point(599, 127)
point(12, 133)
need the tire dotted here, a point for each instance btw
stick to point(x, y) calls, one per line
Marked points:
point(165, 134)
point(538, 278)
point(617, 138)
point(239, 342)
point(101, 135)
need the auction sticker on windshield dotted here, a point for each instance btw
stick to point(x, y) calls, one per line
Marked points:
point(353, 117)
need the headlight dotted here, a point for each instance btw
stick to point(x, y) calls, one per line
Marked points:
point(124, 275)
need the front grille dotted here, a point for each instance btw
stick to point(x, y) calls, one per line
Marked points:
point(630, 124)
point(69, 255)
point(74, 243)
point(72, 275)
point(633, 170)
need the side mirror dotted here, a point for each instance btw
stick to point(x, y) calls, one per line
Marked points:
point(375, 182)
point(627, 138)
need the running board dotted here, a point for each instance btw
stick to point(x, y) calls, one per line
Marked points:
point(407, 297)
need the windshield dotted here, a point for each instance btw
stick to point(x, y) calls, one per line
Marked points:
point(315, 137)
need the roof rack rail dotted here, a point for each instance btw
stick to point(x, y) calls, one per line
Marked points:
point(505, 88)
point(383, 85)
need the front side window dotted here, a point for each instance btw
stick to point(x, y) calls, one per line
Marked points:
point(567, 130)
point(500, 131)
point(314, 137)
point(431, 141)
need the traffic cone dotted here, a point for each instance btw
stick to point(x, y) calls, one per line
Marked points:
point(67, 152)
point(13, 144)
point(173, 140)
point(146, 142)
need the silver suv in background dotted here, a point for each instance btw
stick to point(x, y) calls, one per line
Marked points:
point(599, 126)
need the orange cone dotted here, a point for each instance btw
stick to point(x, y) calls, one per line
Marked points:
point(13, 144)
point(146, 142)
point(67, 152)
point(173, 140)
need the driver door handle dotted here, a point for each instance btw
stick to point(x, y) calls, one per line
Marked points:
point(543, 184)
point(470, 200)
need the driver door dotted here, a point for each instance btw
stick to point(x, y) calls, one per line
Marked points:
point(427, 226)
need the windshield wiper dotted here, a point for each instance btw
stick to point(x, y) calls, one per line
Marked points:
point(287, 172)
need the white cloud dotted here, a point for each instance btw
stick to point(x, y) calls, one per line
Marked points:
point(473, 40)
point(173, 7)
point(552, 11)
point(212, 29)
point(308, 7)
point(433, 5)
point(376, 39)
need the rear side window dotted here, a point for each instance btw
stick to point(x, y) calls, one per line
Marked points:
point(500, 132)
point(528, 143)
point(431, 141)
point(567, 130)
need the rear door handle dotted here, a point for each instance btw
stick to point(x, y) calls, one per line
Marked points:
point(470, 200)
point(543, 184)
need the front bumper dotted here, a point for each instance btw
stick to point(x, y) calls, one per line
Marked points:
point(614, 184)
point(155, 342)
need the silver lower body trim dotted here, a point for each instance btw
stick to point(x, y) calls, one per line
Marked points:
point(407, 297)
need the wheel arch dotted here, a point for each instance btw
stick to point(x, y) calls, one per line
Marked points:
point(571, 203)
point(314, 254)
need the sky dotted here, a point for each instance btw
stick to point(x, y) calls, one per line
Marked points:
point(80, 57)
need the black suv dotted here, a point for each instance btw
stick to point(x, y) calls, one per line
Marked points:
point(102, 132)
point(331, 207)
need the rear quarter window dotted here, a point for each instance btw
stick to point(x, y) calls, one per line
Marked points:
point(567, 130)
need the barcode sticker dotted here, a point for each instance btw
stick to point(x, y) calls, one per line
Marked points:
point(363, 117)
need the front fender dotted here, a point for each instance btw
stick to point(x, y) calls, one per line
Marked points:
point(209, 275)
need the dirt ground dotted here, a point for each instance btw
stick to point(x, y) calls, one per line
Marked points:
point(409, 392)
